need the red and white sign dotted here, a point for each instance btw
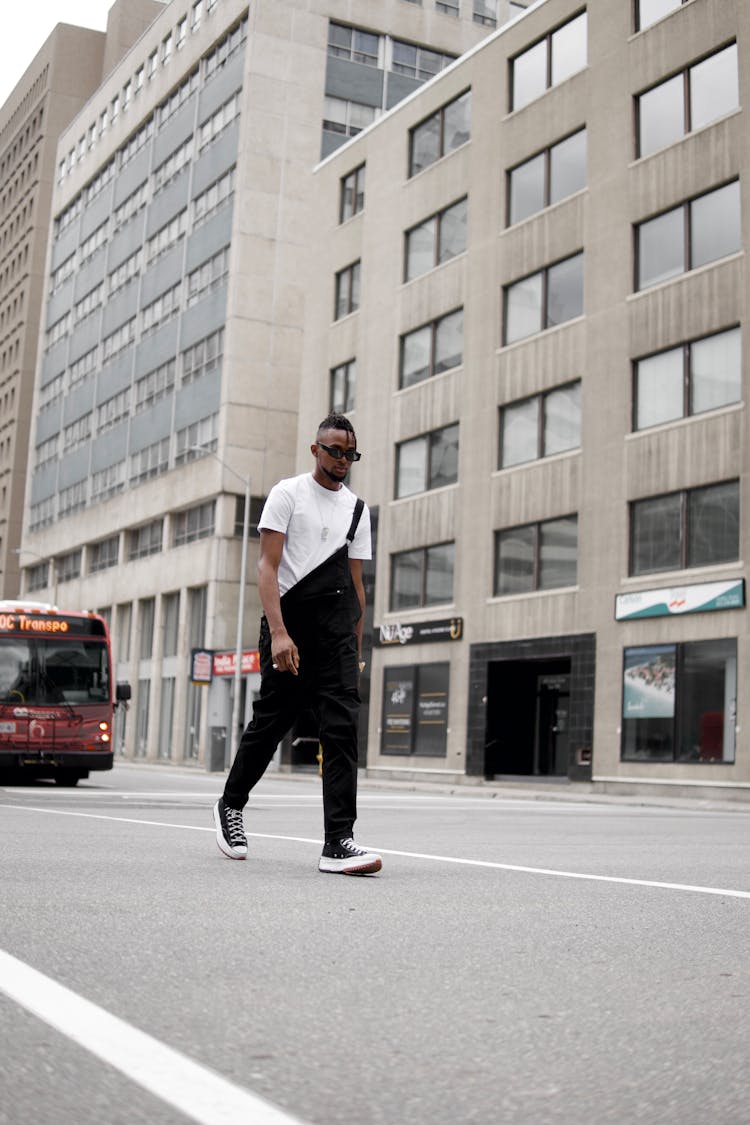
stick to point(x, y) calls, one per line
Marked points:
point(226, 662)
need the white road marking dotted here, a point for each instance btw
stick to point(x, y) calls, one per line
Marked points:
point(486, 863)
point(198, 1092)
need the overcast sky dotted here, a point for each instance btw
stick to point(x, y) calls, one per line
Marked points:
point(24, 27)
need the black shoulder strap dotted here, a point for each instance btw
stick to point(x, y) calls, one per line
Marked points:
point(358, 509)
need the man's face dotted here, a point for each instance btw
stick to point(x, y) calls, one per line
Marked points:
point(334, 467)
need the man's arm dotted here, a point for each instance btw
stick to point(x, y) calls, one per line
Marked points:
point(283, 649)
point(355, 566)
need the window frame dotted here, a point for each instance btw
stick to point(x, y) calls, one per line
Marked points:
point(547, 185)
point(540, 397)
point(429, 440)
point(684, 497)
point(536, 527)
point(423, 601)
point(544, 273)
point(688, 411)
point(687, 223)
point(438, 217)
point(687, 101)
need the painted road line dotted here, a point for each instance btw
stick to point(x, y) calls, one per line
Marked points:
point(201, 1094)
point(722, 892)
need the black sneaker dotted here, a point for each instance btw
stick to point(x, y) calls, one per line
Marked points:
point(343, 857)
point(230, 831)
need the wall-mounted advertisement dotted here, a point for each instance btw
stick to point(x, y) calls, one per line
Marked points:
point(649, 682)
point(415, 710)
point(700, 597)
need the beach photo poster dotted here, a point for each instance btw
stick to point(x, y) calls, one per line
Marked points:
point(649, 682)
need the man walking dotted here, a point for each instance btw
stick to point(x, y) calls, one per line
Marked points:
point(314, 535)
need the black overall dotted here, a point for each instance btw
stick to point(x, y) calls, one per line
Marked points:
point(320, 614)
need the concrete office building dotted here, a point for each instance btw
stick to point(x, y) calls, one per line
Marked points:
point(63, 75)
point(172, 339)
point(532, 303)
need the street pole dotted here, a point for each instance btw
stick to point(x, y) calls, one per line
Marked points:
point(241, 605)
point(240, 623)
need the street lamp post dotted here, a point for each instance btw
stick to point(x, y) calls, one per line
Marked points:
point(243, 578)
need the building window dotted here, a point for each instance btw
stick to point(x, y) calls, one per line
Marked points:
point(208, 276)
point(688, 101)
point(203, 358)
point(349, 43)
point(195, 523)
point(447, 7)
point(420, 63)
point(679, 702)
point(144, 541)
point(441, 133)
point(170, 168)
point(68, 567)
point(214, 197)
point(113, 410)
point(699, 376)
point(36, 577)
point(415, 709)
point(427, 462)
point(149, 462)
point(347, 291)
point(256, 508)
point(170, 606)
point(352, 194)
point(346, 117)
point(548, 177)
point(167, 236)
point(649, 11)
point(118, 340)
point(225, 49)
point(154, 385)
point(219, 121)
point(108, 482)
point(700, 231)
point(161, 310)
point(343, 387)
point(695, 527)
point(196, 440)
point(485, 12)
point(559, 55)
point(432, 349)
point(77, 433)
point(536, 556)
point(422, 577)
point(437, 240)
point(540, 426)
point(544, 300)
point(104, 555)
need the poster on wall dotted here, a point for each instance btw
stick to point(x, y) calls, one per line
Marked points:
point(432, 710)
point(398, 710)
point(649, 682)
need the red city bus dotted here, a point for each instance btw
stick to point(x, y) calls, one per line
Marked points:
point(56, 692)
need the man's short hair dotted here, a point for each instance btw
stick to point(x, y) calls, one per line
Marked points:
point(335, 421)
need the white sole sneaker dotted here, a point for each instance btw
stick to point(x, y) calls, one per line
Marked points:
point(230, 851)
point(366, 864)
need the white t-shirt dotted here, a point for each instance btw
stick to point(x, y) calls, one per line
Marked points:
point(302, 510)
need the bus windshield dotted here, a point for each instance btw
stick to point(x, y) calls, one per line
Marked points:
point(41, 670)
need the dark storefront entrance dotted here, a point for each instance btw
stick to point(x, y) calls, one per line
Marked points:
point(528, 704)
point(531, 708)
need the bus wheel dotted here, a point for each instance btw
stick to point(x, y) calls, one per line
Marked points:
point(67, 777)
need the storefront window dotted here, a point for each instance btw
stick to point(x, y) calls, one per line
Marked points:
point(415, 710)
point(679, 702)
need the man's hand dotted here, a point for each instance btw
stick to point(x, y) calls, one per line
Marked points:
point(284, 653)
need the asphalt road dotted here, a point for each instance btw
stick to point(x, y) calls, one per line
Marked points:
point(516, 961)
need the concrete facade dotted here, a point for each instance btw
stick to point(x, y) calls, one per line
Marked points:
point(65, 72)
point(497, 587)
point(172, 341)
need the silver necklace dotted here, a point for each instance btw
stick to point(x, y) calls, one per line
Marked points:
point(325, 530)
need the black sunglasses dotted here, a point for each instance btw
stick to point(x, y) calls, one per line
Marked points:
point(337, 452)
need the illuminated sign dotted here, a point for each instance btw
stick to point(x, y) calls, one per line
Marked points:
point(26, 623)
point(201, 665)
